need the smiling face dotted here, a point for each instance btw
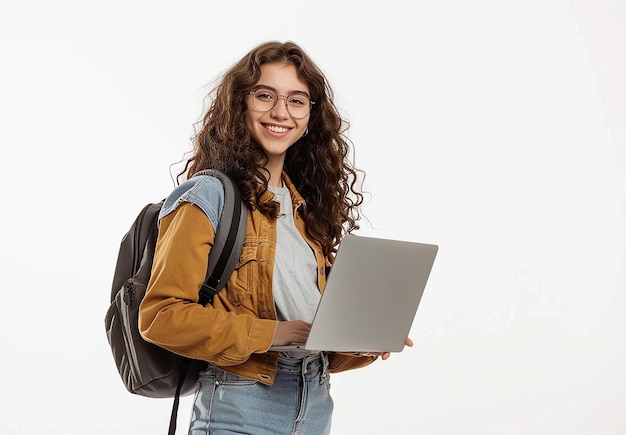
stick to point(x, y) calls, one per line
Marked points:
point(276, 130)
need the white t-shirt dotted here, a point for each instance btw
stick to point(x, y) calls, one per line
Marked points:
point(294, 283)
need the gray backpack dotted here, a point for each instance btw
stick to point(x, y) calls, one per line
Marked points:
point(147, 369)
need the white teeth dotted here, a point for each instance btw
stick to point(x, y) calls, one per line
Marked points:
point(276, 129)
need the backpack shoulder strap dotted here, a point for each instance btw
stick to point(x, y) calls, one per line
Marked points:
point(229, 237)
point(223, 258)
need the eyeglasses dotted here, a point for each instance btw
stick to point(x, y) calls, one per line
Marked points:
point(298, 103)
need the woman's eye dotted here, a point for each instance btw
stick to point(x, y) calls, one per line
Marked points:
point(296, 101)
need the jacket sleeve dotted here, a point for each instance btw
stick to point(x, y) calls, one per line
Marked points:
point(341, 362)
point(169, 315)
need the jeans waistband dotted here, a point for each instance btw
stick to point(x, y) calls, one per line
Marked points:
point(312, 363)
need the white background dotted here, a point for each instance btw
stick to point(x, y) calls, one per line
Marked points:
point(492, 128)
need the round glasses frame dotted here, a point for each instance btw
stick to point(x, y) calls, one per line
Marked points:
point(273, 92)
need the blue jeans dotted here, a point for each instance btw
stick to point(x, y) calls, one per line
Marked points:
point(299, 402)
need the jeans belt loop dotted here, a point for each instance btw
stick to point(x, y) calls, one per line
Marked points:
point(324, 374)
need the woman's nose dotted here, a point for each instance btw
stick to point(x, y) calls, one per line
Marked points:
point(280, 109)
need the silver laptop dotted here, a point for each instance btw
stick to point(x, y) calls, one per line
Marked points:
point(371, 296)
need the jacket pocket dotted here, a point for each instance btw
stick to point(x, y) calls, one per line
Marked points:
point(244, 277)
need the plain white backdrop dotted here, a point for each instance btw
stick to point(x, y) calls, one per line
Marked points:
point(494, 129)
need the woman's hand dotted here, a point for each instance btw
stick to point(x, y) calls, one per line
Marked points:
point(294, 331)
point(385, 355)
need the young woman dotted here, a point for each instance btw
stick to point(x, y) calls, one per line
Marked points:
point(273, 127)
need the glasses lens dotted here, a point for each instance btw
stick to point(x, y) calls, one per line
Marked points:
point(264, 99)
point(298, 105)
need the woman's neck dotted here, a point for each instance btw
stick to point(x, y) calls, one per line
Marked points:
point(275, 170)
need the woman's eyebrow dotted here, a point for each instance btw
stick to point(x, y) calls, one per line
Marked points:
point(295, 91)
point(261, 86)
point(299, 92)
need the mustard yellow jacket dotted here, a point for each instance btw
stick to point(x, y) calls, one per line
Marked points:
point(236, 332)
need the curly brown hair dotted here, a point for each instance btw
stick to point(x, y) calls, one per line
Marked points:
point(319, 163)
